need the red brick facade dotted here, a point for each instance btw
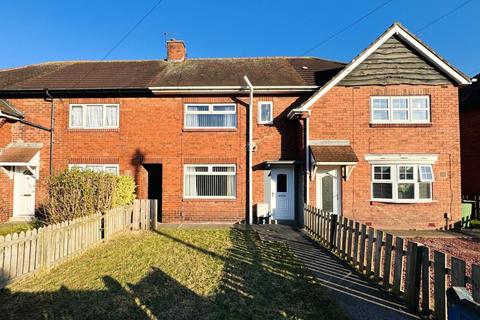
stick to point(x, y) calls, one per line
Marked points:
point(344, 114)
point(151, 131)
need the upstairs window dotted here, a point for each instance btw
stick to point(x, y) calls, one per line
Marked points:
point(107, 168)
point(210, 116)
point(413, 109)
point(401, 183)
point(94, 116)
point(265, 112)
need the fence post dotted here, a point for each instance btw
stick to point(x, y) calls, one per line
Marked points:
point(458, 272)
point(369, 251)
point(398, 267)
point(344, 238)
point(440, 263)
point(476, 283)
point(355, 244)
point(155, 214)
point(412, 283)
point(387, 263)
point(349, 241)
point(363, 238)
point(136, 215)
point(425, 280)
point(378, 255)
point(333, 225)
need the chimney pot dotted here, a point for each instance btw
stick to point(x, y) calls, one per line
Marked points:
point(176, 50)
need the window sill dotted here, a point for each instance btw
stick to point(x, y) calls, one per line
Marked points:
point(386, 201)
point(265, 123)
point(209, 199)
point(400, 125)
point(209, 130)
point(93, 129)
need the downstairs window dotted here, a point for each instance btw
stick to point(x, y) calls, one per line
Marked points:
point(210, 181)
point(402, 183)
point(107, 168)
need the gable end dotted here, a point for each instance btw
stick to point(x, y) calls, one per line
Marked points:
point(395, 62)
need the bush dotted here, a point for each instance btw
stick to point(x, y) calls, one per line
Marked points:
point(75, 193)
point(124, 192)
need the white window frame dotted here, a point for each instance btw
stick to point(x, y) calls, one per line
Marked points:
point(84, 115)
point(83, 166)
point(395, 180)
point(210, 171)
point(260, 121)
point(409, 110)
point(210, 111)
point(421, 178)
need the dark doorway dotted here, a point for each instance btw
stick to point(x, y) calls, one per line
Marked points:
point(155, 185)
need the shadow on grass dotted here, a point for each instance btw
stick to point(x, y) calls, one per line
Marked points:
point(260, 280)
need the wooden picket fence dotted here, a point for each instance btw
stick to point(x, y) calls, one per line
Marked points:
point(382, 257)
point(25, 253)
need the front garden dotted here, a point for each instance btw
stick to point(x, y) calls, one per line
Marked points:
point(174, 274)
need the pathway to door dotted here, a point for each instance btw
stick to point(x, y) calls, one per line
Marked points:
point(359, 298)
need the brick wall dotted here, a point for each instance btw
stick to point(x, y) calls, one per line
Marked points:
point(343, 113)
point(151, 131)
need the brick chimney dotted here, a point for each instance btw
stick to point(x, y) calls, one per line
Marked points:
point(176, 50)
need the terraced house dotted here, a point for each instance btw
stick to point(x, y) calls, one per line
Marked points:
point(229, 140)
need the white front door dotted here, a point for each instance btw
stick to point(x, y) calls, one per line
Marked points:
point(282, 204)
point(328, 190)
point(23, 193)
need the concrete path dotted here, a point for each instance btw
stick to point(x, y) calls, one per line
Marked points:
point(359, 298)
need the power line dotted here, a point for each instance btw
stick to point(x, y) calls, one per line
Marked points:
point(347, 27)
point(132, 29)
point(443, 16)
point(139, 22)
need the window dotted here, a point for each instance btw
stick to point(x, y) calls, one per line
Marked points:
point(414, 109)
point(402, 183)
point(265, 112)
point(210, 181)
point(108, 168)
point(282, 183)
point(209, 116)
point(94, 116)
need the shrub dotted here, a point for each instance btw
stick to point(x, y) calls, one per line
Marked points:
point(124, 192)
point(75, 193)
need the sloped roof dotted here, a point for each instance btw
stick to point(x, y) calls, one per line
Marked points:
point(470, 95)
point(400, 31)
point(333, 154)
point(9, 109)
point(18, 154)
point(274, 71)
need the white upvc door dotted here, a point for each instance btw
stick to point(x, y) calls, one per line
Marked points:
point(23, 193)
point(329, 190)
point(282, 204)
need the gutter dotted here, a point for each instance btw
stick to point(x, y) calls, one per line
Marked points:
point(249, 151)
point(231, 89)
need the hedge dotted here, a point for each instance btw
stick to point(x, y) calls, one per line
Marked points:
point(75, 193)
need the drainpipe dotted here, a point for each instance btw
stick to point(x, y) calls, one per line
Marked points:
point(249, 150)
point(307, 161)
point(49, 98)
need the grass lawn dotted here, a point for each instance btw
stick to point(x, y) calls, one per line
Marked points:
point(12, 227)
point(174, 274)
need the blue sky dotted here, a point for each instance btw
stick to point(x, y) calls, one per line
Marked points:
point(38, 31)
